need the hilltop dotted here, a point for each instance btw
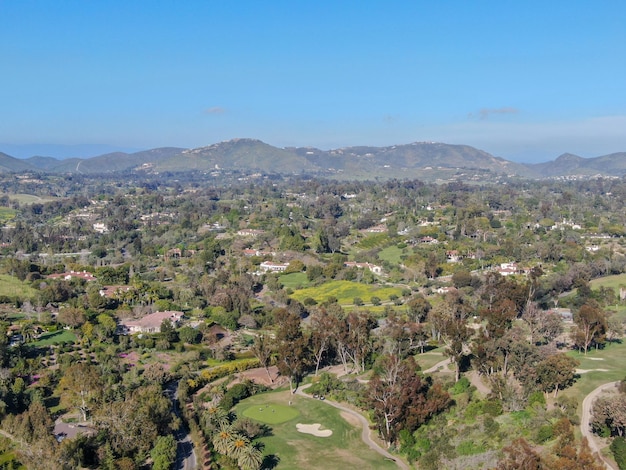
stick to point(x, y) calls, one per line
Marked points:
point(429, 161)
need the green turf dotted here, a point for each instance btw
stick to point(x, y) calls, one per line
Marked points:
point(294, 280)
point(55, 337)
point(271, 413)
point(610, 281)
point(392, 254)
point(295, 450)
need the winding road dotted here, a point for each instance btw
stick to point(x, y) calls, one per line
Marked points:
point(585, 421)
point(366, 434)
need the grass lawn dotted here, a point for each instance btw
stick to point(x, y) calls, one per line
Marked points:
point(430, 358)
point(343, 449)
point(294, 280)
point(391, 254)
point(346, 291)
point(609, 281)
point(55, 337)
point(13, 287)
point(30, 198)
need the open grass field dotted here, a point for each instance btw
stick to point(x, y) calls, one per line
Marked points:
point(609, 281)
point(343, 449)
point(55, 337)
point(294, 280)
point(13, 287)
point(30, 198)
point(346, 291)
point(392, 254)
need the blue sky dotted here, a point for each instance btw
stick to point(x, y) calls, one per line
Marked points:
point(526, 81)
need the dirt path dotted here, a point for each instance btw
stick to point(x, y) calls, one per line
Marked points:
point(477, 382)
point(365, 434)
point(585, 421)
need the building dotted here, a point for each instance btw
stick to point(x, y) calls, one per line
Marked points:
point(270, 266)
point(372, 267)
point(151, 323)
point(67, 276)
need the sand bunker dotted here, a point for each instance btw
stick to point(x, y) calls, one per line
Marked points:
point(584, 371)
point(313, 429)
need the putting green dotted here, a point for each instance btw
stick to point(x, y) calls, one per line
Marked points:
point(271, 413)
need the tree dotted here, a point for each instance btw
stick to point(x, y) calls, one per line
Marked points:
point(163, 453)
point(542, 326)
point(291, 346)
point(322, 328)
point(262, 350)
point(610, 412)
point(519, 455)
point(250, 457)
point(556, 372)
point(400, 398)
point(81, 386)
point(71, 316)
point(591, 326)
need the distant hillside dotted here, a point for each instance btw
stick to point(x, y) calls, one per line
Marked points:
point(569, 164)
point(107, 163)
point(11, 164)
point(429, 161)
point(238, 154)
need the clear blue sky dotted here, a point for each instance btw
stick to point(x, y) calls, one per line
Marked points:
point(524, 80)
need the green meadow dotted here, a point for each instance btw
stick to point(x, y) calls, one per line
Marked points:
point(13, 287)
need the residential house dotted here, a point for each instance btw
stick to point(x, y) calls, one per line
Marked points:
point(372, 267)
point(151, 323)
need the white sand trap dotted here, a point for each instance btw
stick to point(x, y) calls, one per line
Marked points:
point(314, 429)
point(583, 371)
point(595, 358)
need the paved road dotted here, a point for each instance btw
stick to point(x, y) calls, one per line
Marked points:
point(185, 453)
point(366, 432)
point(585, 421)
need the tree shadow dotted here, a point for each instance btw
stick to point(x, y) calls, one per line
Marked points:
point(270, 461)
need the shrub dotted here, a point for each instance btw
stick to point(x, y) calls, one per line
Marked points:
point(461, 386)
point(492, 407)
point(618, 447)
point(544, 434)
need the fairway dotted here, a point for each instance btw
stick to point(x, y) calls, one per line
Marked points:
point(295, 449)
point(271, 413)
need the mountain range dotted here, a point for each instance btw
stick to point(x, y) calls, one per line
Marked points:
point(422, 160)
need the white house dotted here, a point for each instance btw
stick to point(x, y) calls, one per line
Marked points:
point(273, 267)
point(372, 267)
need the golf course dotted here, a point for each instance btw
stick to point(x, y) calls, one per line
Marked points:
point(309, 433)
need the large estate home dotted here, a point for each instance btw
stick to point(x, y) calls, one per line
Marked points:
point(151, 323)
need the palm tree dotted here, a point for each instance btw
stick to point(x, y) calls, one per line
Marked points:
point(250, 458)
point(223, 439)
point(28, 332)
point(237, 445)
